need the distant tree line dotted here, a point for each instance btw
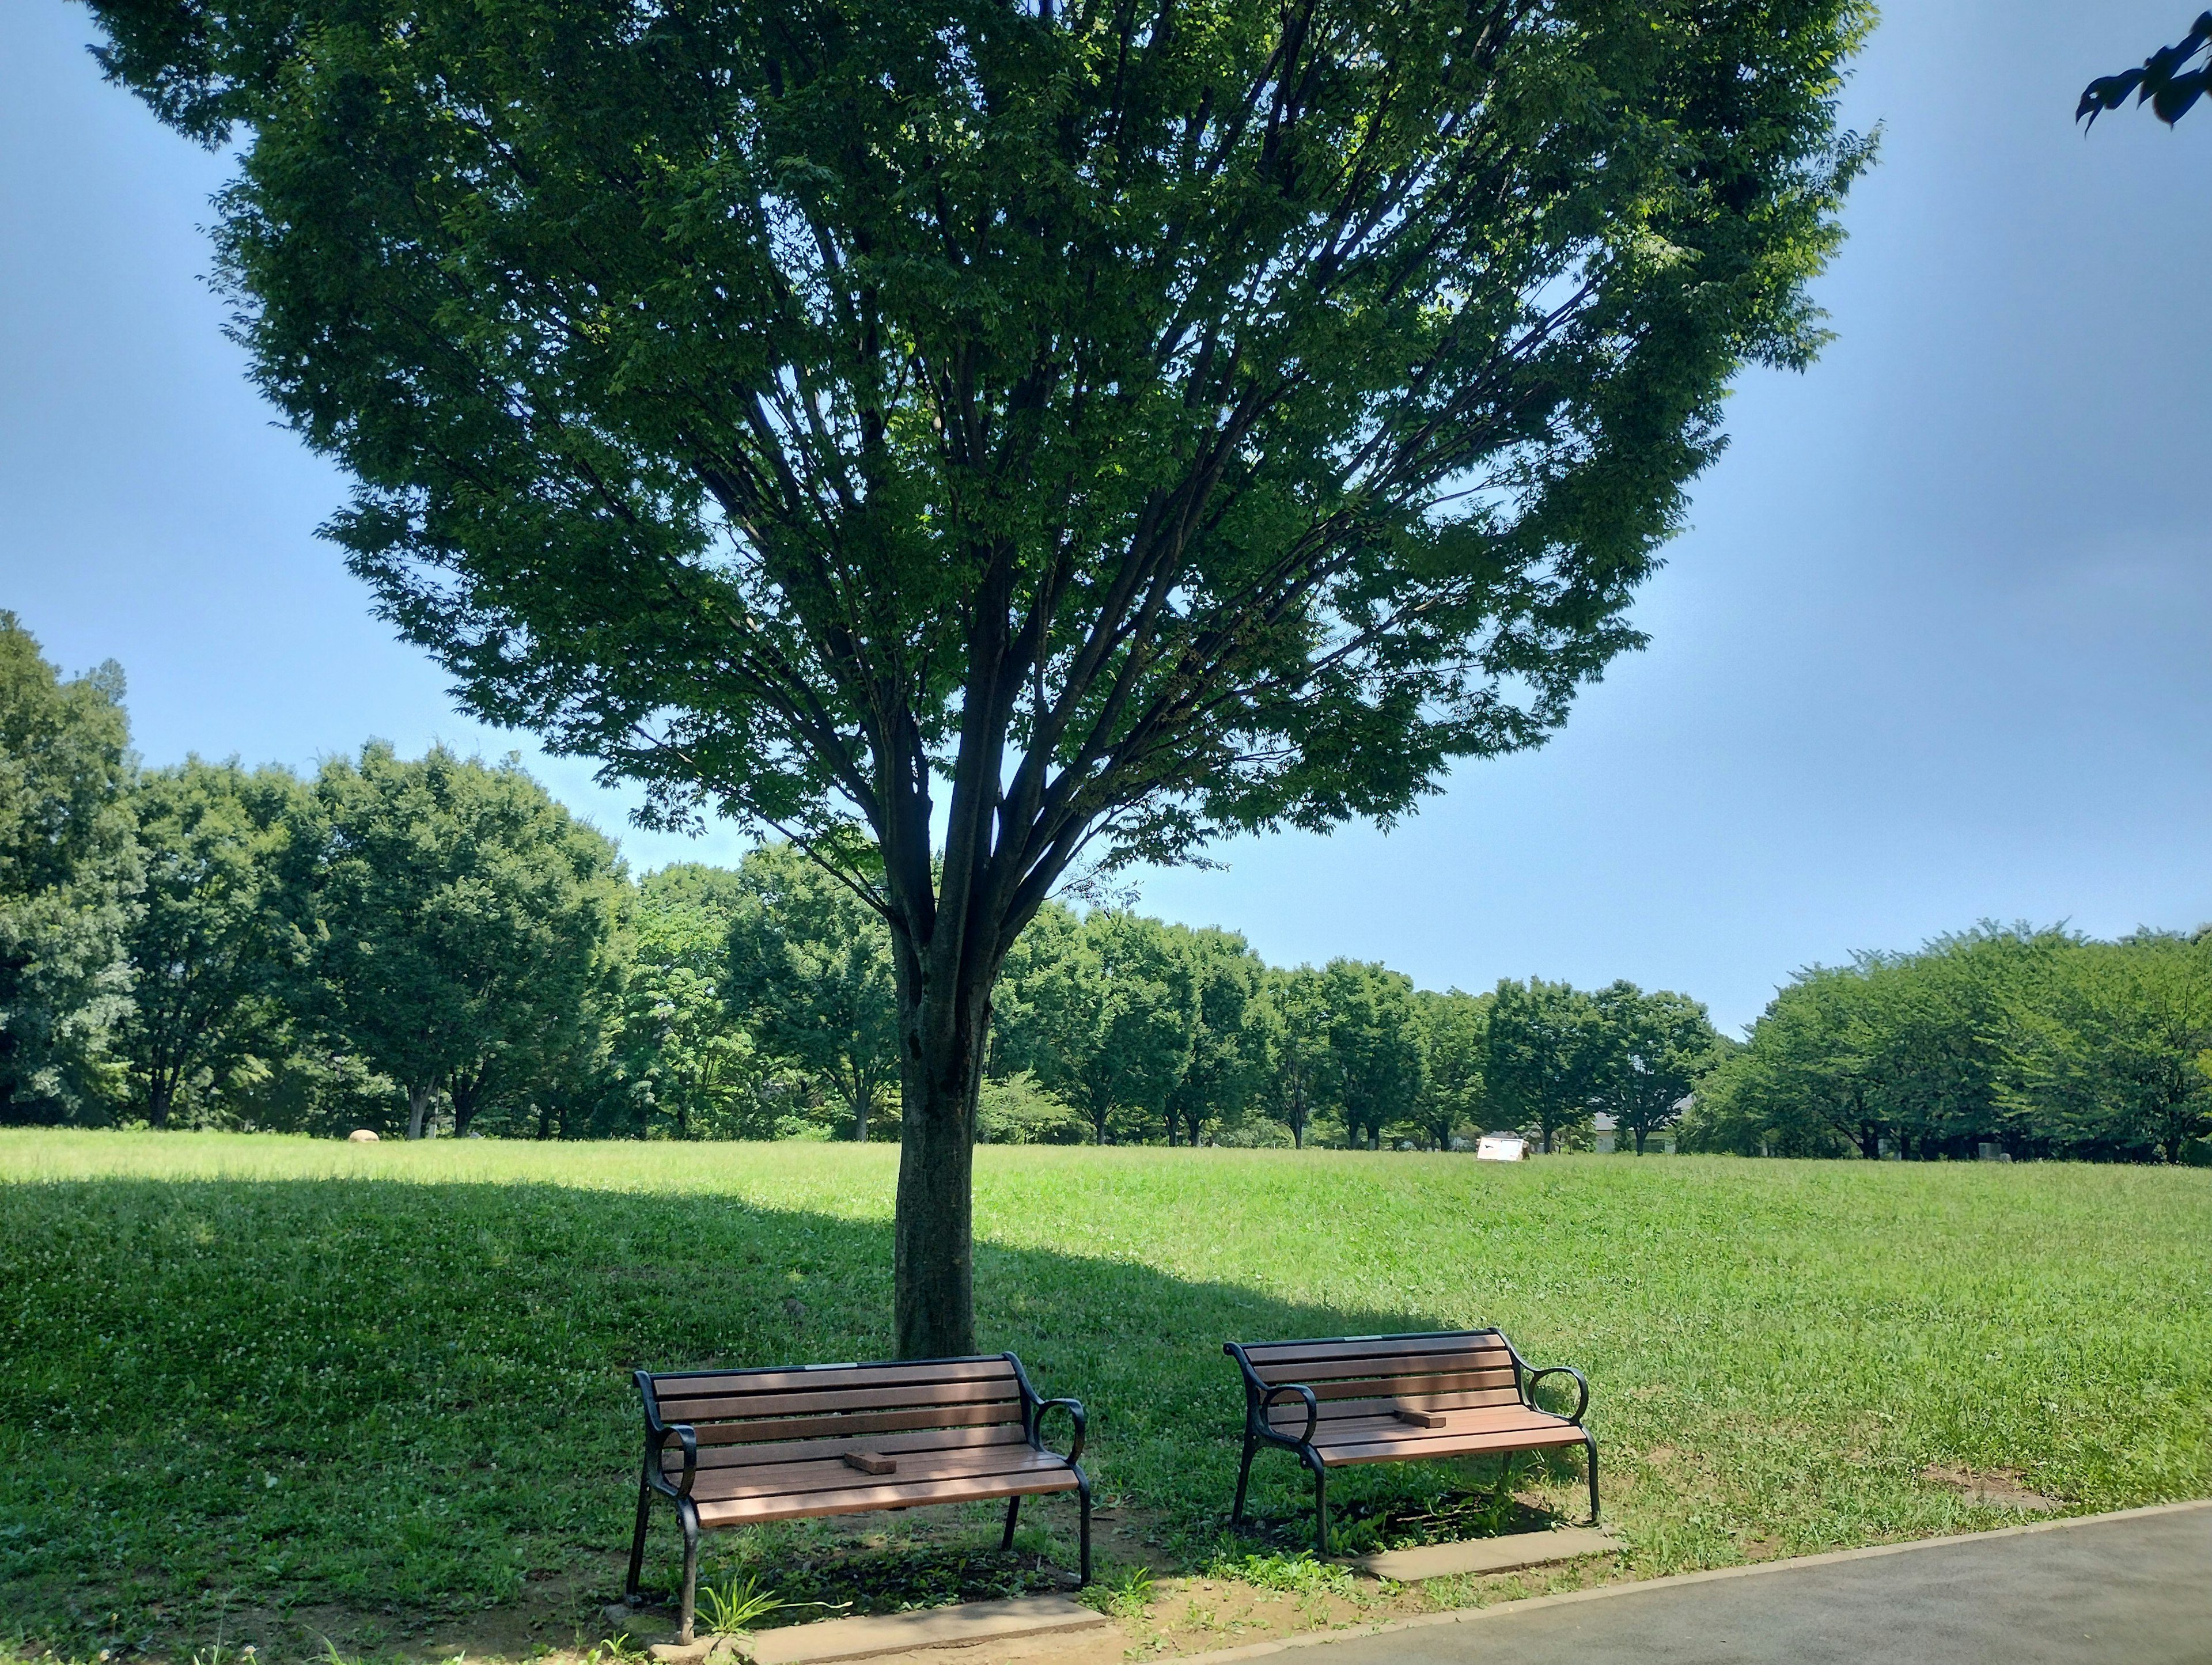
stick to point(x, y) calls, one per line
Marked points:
point(435, 945)
point(2036, 1044)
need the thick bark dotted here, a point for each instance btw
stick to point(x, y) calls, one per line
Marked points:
point(418, 1107)
point(933, 1236)
point(159, 1093)
point(860, 1118)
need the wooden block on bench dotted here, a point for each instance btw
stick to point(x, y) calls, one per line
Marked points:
point(1419, 1418)
point(868, 1462)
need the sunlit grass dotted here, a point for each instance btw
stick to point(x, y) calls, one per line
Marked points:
point(258, 1373)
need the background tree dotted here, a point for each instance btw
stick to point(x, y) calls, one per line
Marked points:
point(464, 922)
point(1376, 1065)
point(1545, 1059)
point(683, 1054)
point(1656, 1046)
point(2111, 1056)
point(1455, 1028)
point(1143, 1021)
point(1142, 423)
point(210, 953)
point(69, 880)
point(810, 967)
point(1228, 1049)
point(2166, 82)
point(1302, 1072)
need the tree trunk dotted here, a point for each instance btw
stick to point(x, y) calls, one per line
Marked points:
point(1639, 1141)
point(159, 1092)
point(418, 1106)
point(860, 1118)
point(933, 1272)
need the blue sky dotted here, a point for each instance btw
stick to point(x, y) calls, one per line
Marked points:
point(1934, 649)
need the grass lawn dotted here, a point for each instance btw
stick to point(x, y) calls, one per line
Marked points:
point(298, 1389)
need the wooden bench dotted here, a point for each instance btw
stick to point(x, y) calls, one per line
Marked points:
point(1397, 1399)
point(731, 1448)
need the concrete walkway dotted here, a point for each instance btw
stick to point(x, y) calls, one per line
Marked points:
point(2133, 1589)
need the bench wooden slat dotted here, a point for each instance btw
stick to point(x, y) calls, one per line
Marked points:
point(860, 1499)
point(1413, 1387)
point(861, 1422)
point(1289, 1416)
point(801, 1451)
point(1397, 1442)
point(1277, 1352)
point(832, 1474)
point(1344, 1370)
point(717, 1384)
point(917, 1395)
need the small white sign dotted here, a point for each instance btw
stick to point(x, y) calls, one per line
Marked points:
point(1500, 1147)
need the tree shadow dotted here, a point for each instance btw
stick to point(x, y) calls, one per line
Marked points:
point(400, 1415)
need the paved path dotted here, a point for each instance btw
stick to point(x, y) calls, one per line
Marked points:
point(2128, 1590)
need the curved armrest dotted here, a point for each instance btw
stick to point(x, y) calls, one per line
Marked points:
point(1074, 1409)
point(1581, 1382)
point(687, 1438)
point(1313, 1408)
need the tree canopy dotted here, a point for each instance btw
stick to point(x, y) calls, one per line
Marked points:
point(1139, 422)
point(69, 875)
point(2166, 82)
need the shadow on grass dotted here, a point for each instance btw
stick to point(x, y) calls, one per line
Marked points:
point(400, 1415)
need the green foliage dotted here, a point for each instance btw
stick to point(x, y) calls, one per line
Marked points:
point(1545, 1056)
point(2166, 82)
point(1018, 1111)
point(1653, 1049)
point(687, 1065)
point(214, 961)
point(427, 1347)
point(1375, 1067)
point(464, 927)
point(1455, 1045)
point(70, 876)
point(2042, 1042)
point(1296, 1572)
point(810, 965)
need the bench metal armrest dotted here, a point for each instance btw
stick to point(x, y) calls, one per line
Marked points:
point(1581, 1381)
point(1075, 1413)
point(1267, 1403)
point(656, 1471)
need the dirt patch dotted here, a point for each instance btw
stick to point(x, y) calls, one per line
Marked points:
point(1993, 1488)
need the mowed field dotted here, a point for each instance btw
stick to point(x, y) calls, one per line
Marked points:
point(300, 1388)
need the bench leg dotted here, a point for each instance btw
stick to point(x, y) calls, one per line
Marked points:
point(1243, 1478)
point(1013, 1514)
point(1083, 1528)
point(1590, 1447)
point(1321, 1505)
point(688, 1513)
point(631, 1595)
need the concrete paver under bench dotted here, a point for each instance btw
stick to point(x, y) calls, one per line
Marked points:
point(1484, 1555)
point(959, 1626)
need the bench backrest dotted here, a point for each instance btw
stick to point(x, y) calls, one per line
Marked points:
point(1443, 1370)
point(837, 1401)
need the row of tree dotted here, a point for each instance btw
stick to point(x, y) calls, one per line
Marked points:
point(435, 943)
point(2039, 1044)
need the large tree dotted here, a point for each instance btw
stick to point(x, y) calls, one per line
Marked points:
point(209, 949)
point(69, 880)
point(980, 438)
point(810, 967)
point(463, 924)
point(1653, 1049)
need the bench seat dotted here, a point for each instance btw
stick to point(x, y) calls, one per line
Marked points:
point(1397, 1399)
point(735, 1448)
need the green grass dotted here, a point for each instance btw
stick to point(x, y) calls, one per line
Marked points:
point(372, 1389)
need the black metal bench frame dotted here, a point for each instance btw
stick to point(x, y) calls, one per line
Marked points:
point(654, 1478)
point(1260, 1398)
